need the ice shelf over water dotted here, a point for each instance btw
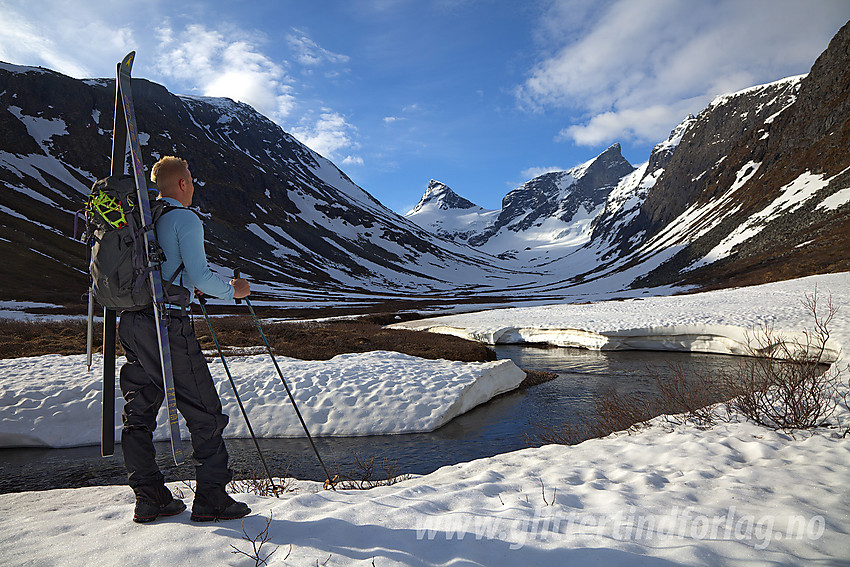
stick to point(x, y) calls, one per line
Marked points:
point(728, 321)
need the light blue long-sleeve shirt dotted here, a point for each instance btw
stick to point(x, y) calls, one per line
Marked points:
point(181, 237)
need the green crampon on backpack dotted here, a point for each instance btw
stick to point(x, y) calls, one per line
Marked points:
point(119, 268)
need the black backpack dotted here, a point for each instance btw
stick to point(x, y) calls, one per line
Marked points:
point(120, 274)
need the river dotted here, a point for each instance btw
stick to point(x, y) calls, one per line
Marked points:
point(509, 422)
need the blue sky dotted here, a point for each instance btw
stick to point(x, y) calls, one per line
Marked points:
point(479, 94)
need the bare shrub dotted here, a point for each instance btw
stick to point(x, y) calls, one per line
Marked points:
point(845, 398)
point(369, 474)
point(785, 384)
point(557, 434)
point(612, 411)
point(257, 542)
point(687, 397)
point(256, 482)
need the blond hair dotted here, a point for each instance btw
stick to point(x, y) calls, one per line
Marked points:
point(168, 171)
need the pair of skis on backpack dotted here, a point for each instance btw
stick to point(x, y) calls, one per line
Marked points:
point(120, 229)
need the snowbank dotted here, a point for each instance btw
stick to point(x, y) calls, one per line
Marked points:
point(52, 401)
point(727, 496)
point(717, 322)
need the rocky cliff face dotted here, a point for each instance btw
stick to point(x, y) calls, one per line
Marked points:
point(625, 200)
point(753, 178)
point(448, 215)
point(440, 196)
point(553, 207)
point(559, 195)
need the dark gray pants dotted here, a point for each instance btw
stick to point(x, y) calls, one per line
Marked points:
point(197, 400)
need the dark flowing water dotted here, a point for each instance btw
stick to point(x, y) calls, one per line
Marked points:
point(507, 423)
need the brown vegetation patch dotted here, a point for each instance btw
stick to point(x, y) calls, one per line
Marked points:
point(304, 340)
point(322, 341)
point(24, 338)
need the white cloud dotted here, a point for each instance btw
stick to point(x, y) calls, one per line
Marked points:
point(627, 124)
point(533, 172)
point(330, 133)
point(309, 53)
point(352, 160)
point(86, 39)
point(635, 69)
point(74, 40)
point(229, 65)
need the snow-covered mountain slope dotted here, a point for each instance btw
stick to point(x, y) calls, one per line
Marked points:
point(447, 214)
point(552, 210)
point(755, 188)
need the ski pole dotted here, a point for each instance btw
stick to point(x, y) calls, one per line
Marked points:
point(90, 319)
point(202, 300)
point(329, 482)
point(90, 329)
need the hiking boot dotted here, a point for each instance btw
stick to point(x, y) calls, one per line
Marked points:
point(147, 511)
point(153, 501)
point(216, 505)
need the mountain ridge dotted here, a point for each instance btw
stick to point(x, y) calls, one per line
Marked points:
point(284, 214)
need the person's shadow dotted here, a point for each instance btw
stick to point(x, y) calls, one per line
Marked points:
point(349, 544)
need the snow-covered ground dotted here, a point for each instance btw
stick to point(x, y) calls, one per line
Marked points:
point(735, 494)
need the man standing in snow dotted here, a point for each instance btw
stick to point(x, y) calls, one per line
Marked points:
point(181, 235)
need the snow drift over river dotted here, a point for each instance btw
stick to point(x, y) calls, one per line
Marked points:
point(52, 401)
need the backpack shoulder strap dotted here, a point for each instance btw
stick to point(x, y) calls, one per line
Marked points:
point(168, 207)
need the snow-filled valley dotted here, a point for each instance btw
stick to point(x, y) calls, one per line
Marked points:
point(744, 199)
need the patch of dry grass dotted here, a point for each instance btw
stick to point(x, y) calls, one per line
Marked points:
point(307, 341)
point(23, 338)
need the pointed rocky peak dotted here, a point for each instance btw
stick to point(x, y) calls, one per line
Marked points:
point(439, 196)
point(610, 158)
point(614, 151)
point(677, 134)
point(605, 170)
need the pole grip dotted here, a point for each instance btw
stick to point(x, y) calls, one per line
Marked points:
point(236, 275)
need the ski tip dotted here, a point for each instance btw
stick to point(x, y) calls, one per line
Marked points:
point(127, 62)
